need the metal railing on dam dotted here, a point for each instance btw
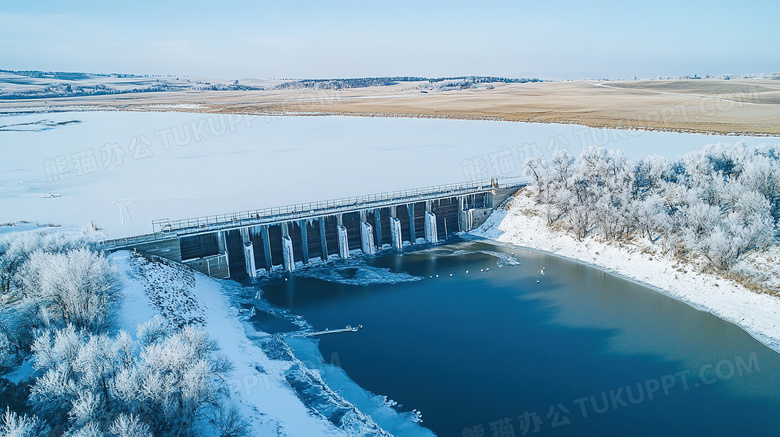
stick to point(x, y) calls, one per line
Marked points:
point(165, 229)
point(257, 242)
point(119, 243)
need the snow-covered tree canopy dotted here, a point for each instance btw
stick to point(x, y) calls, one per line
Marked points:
point(720, 203)
point(97, 384)
point(59, 297)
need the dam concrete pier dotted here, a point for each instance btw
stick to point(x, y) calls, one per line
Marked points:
point(254, 243)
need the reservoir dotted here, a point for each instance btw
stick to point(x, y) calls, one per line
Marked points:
point(483, 338)
point(255, 162)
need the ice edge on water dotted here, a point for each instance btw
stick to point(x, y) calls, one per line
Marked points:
point(459, 249)
point(355, 272)
point(382, 410)
point(325, 388)
point(503, 258)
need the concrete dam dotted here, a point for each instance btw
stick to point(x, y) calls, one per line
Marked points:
point(254, 243)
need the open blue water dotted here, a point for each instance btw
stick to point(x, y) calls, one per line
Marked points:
point(580, 352)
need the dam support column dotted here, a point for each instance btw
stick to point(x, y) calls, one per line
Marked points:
point(343, 242)
point(464, 215)
point(249, 259)
point(323, 240)
point(431, 233)
point(287, 254)
point(367, 238)
point(304, 240)
point(249, 253)
point(412, 237)
point(395, 233)
point(221, 243)
point(266, 247)
point(378, 227)
point(223, 248)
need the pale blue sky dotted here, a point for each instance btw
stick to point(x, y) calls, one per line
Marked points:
point(563, 39)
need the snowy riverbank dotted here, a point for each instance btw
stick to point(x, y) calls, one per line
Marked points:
point(522, 223)
point(274, 391)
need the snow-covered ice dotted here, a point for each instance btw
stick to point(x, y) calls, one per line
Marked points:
point(121, 170)
point(354, 271)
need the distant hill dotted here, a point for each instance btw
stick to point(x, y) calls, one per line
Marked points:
point(464, 81)
point(47, 84)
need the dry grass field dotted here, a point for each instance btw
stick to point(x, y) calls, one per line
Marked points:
point(745, 106)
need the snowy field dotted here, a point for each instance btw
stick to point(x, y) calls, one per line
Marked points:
point(121, 170)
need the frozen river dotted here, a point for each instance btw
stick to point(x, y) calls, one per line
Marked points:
point(121, 170)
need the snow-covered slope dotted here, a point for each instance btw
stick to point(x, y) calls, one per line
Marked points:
point(269, 390)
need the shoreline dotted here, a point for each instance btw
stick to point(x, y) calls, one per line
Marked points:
point(758, 314)
point(151, 108)
point(771, 343)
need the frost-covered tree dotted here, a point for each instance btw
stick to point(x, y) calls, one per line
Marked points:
point(651, 173)
point(78, 287)
point(55, 354)
point(536, 169)
point(19, 316)
point(580, 219)
point(129, 426)
point(228, 422)
point(562, 167)
point(90, 429)
point(650, 216)
point(720, 203)
point(7, 351)
point(153, 331)
point(57, 300)
point(96, 383)
point(16, 248)
point(175, 377)
point(762, 175)
point(14, 425)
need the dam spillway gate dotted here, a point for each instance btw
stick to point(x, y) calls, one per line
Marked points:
point(254, 243)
